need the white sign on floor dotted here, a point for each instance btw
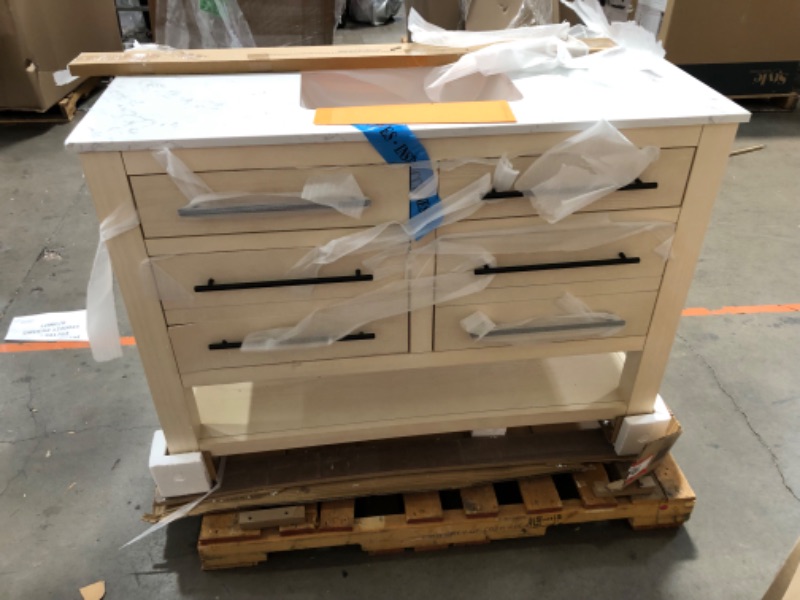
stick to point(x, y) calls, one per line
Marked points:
point(49, 327)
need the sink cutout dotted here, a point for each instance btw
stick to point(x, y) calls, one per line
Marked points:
point(371, 87)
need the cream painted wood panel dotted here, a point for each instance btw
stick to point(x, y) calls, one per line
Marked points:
point(192, 339)
point(670, 172)
point(358, 153)
point(182, 278)
point(158, 200)
point(283, 414)
point(634, 311)
point(494, 235)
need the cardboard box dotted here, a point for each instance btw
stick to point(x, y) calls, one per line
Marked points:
point(444, 13)
point(739, 47)
point(483, 15)
point(293, 23)
point(39, 37)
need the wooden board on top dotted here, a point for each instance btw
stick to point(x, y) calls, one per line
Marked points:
point(273, 60)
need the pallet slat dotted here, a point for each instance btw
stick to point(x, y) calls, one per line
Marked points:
point(424, 507)
point(585, 482)
point(540, 495)
point(480, 501)
point(337, 516)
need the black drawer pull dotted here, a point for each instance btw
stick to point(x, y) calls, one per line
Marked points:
point(291, 204)
point(495, 195)
point(579, 264)
point(213, 286)
point(638, 184)
point(553, 328)
point(355, 337)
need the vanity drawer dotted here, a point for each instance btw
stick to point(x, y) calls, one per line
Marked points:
point(159, 201)
point(530, 320)
point(661, 185)
point(193, 341)
point(254, 269)
point(615, 245)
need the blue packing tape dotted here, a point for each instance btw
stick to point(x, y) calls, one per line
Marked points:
point(397, 144)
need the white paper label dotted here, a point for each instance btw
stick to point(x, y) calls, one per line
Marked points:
point(49, 327)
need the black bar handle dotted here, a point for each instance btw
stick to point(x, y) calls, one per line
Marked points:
point(355, 337)
point(213, 286)
point(554, 328)
point(495, 195)
point(638, 184)
point(606, 262)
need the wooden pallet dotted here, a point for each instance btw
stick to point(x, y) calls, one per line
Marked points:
point(63, 112)
point(434, 520)
point(769, 102)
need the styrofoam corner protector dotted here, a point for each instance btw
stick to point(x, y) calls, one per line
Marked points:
point(177, 474)
point(499, 432)
point(638, 430)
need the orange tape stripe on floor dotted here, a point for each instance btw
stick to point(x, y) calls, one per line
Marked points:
point(48, 346)
point(741, 310)
point(688, 312)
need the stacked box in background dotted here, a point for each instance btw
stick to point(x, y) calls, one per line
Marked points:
point(738, 47)
point(39, 37)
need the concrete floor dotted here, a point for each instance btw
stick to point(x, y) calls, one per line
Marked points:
point(74, 435)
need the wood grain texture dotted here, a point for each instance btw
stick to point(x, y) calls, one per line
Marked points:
point(644, 371)
point(106, 179)
point(274, 60)
point(362, 153)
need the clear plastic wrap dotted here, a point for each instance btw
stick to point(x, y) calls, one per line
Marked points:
point(101, 311)
point(394, 236)
point(474, 250)
point(335, 190)
point(530, 12)
point(327, 325)
point(627, 34)
point(423, 32)
point(529, 57)
point(583, 169)
point(577, 321)
point(593, 231)
point(374, 12)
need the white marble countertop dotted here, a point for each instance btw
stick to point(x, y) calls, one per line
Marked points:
point(195, 111)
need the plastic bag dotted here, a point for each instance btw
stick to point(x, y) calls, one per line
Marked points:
point(423, 32)
point(583, 169)
point(203, 24)
point(531, 12)
point(374, 12)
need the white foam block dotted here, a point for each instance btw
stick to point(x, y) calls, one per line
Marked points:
point(638, 430)
point(500, 432)
point(177, 474)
